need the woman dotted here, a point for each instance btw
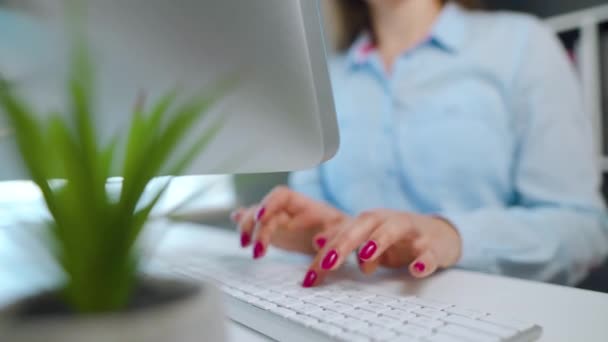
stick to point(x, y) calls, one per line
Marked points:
point(467, 129)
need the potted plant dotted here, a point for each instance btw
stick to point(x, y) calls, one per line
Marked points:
point(93, 234)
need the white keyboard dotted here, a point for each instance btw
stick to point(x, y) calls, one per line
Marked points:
point(268, 298)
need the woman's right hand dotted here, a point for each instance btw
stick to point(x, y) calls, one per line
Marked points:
point(287, 220)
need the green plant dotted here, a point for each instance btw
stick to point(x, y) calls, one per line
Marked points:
point(93, 234)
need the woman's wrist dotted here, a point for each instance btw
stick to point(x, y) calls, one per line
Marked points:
point(451, 241)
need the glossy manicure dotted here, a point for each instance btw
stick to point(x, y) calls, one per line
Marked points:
point(321, 242)
point(245, 239)
point(419, 267)
point(258, 250)
point(330, 260)
point(368, 250)
point(260, 213)
point(309, 279)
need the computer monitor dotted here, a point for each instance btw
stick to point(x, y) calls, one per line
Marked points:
point(280, 117)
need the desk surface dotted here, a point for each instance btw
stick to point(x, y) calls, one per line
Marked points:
point(566, 314)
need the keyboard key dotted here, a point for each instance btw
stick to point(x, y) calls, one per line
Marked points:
point(356, 302)
point(348, 302)
point(338, 297)
point(468, 334)
point(405, 306)
point(427, 303)
point(425, 322)
point(382, 300)
point(361, 314)
point(250, 289)
point(444, 338)
point(265, 305)
point(379, 333)
point(353, 337)
point(305, 308)
point(465, 312)
point(347, 322)
point(338, 307)
point(374, 307)
point(325, 293)
point(386, 321)
point(283, 312)
point(430, 312)
point(481, 326)
point(305, 320)
point(361, 328)
point(318, 300)
point(325, 315)
point(413, 331)
point(328, 329)
point(507, 322)
point(301, 294)
point(288, 302)
point(357, 294)
point(399, 314)
point(274, 296)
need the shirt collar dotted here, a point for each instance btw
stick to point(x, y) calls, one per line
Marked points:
point(449, 30)
point(448, 33)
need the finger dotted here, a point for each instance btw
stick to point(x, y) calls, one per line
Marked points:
point(262, 233)
point(368, 267)
point(390, 233)
point(424, 265)
point(284, 199)
point(320, 239)
point(351, 235)
point(305, 219)
point(314, 275)
point(237, 214)
point(278, 200)
point(246, 226)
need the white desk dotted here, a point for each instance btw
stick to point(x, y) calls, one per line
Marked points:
point(565, 314)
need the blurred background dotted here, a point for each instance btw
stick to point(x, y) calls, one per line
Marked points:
point(582, 26)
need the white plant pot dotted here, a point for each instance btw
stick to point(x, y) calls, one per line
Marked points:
point(179, 312)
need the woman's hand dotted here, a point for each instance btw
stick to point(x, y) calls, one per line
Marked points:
point(391, 239)
point(288, 220)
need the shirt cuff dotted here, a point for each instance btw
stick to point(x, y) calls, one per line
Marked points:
point(473, 254)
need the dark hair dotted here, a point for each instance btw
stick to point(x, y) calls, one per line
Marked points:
point(354, 17)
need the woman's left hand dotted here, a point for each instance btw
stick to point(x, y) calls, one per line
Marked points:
point(392, 239)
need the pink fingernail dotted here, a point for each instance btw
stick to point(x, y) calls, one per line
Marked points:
point(245, 239)
point(368, 250)
point(321, 242)
point(419, 267)
point(330, 260)
point(260, 213)
point(258, 250)
point(309, 279)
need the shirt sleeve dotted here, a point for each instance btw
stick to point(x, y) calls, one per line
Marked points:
point(556, 229)
point(308, 182)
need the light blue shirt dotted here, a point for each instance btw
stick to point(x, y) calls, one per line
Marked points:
point(483, 124)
